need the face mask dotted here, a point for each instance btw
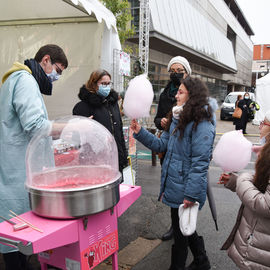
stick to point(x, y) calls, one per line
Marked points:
point(176, 78)
point(263, 141)
point(53, 76)
point(246, 97)
point(104, 91)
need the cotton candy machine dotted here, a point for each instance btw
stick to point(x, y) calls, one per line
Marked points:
point(73, 171)
point(72, 179)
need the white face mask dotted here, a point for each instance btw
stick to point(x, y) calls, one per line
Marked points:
point(263, 139)
point(53, 76)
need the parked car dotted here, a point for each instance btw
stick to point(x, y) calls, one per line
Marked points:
point(228, 106)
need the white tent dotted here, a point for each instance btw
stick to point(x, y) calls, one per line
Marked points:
point(262, 98)
point(85, 29)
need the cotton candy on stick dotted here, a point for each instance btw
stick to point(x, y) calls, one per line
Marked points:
point(138, 98)
point(232, 152)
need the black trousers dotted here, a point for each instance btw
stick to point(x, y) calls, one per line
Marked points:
point(15, 261)
point(181, 242)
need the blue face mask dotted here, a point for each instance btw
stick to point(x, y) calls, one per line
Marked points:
point(104, 91)
point(263, 141)
point(246, 97)
point(53, 76)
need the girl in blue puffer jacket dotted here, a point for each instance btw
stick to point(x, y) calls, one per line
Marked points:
point(188, 142)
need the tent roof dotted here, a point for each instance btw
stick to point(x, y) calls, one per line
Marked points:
point(25, 10)
point(264, 80)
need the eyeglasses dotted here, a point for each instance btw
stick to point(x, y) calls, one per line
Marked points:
point(58, 69)
point(104, 84)
point(263, 123)
point(178, 70)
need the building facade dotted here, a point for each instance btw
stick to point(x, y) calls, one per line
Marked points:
point(212, 34)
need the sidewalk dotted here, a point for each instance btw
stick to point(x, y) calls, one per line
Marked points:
point(143, 224)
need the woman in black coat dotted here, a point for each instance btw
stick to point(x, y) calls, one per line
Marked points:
point(101, 102)
point(244, 105)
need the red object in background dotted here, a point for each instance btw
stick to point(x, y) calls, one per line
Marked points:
point(66, 158)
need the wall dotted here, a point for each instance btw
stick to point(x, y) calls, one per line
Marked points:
point(220, 15)
point(81, 43)
point(261, 52)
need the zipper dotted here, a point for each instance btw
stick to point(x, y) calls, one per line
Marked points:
point(111, 116)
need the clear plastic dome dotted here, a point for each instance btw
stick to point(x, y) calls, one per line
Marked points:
point(79, 153)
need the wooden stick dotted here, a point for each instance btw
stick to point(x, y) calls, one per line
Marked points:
point(25, 221)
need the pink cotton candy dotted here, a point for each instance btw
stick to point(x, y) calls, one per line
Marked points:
point(138, 98)
point(232, 152)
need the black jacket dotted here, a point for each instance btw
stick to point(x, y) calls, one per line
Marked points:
point(106, 112)
point(244, 104)
point(165, 104)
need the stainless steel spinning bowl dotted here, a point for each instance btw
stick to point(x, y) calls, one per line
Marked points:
point(74, 203)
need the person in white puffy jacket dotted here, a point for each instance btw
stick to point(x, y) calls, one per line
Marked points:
point(248, 245)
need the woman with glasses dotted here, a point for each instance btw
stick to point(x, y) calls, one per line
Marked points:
point(100, 101)
point(188, 141)
point(179, 69)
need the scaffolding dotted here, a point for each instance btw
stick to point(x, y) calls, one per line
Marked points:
point(144, 34)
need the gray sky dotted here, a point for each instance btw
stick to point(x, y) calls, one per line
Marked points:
point(257, 13)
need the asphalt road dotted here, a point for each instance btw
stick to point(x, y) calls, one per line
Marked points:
point(149, 218)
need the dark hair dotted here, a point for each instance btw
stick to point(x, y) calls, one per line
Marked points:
point(94, 78)
point(196, 108)
point(55, 52)
point(238, 97)
point(262, 169)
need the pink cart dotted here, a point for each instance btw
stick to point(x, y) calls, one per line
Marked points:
point(74, 244)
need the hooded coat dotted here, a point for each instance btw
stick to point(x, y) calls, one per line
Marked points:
point(165, 104)
point(22, 115)
point(249, 244)
point(106, 112)
point(185, 166)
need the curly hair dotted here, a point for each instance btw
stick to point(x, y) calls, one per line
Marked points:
point(196, 108)
point(262, 168)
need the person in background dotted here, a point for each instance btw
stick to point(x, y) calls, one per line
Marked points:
point(237, 121)
point(244, 105)
point(248, 244)
point(22, 115)
point(179, 69)
point(100, 101)
point(185, 166)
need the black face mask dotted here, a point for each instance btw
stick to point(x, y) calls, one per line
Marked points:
point(176, 78)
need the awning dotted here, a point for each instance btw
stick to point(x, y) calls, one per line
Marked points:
point(27, 11)
point(100, 12)
point(179, 23)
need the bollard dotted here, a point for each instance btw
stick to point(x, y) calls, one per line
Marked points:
point(154, 154)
